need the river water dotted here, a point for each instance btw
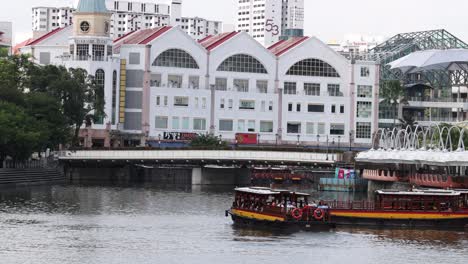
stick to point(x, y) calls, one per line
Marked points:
point(147, 224)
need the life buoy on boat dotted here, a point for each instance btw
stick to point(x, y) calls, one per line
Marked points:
point(319, 213)
point(296, 213)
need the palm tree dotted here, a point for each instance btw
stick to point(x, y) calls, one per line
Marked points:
point(394, 94)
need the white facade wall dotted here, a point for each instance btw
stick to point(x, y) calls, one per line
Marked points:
point(244, 44)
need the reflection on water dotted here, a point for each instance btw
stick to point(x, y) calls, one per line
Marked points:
point(167, 224)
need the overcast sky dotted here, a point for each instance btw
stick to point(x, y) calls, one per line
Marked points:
point(328, 20)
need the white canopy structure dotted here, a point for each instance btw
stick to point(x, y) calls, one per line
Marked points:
point(426, 60)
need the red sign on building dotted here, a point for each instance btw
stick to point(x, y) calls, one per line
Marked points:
point(246, 139)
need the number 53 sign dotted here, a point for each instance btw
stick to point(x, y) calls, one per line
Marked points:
point(271, 27)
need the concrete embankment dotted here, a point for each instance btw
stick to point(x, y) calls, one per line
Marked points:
point(32, 176)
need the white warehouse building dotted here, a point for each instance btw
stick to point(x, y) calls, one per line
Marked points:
point(161, 82)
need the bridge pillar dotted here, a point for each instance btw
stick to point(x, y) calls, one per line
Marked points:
point(197, 176)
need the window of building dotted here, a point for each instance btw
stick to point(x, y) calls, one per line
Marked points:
point(175, 58)
point(298, 107)
point(185, 123)
point(309, 128)
point(364, 109)
point(241, 85)
point(333, 109)
point(365, 72)
point(289, 88)
point(199, 124)
point(294, 128)
point(270, 106)
point(98, 52)
point(194, 82)
point(290, 107)
point(263, 106)
point(314, 68)
point(221, 84)
point(158, 100)
point(175, 123)
point(242, 63)
point(155, 80)
point(337, 129)
point(44, 58)
point(82, 51)
point(181, 101)
point(197, 103)
point(230, 103)
point(315, 108)
point(364, 91)
point(266, 126)
point(262, 87)
point(203, 102)
point(334, 90)
point(161, 122)
point(114, 97)
point(247, 104)
point(312, 89)
point(134, 58)
point(222, 103)
point(174, 81)
point(341, 109)
point(363, 130)
point(321, 128)
point(226, 125)
point(251, 126)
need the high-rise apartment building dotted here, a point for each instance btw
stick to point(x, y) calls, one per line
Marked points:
point(129, 16)
point(268, 21)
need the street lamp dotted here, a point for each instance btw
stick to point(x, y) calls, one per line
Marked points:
point(339, 137)
point(276, 137)
point(318, 140)
point(220, 140)
point(159, 140)
point(298, 139)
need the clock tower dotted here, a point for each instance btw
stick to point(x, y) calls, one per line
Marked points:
point(91, 31)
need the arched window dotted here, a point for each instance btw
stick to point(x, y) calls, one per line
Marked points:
point(313, 67)
point(175, 58)
point(100, 79)
point(242, 63)
point(114, 96)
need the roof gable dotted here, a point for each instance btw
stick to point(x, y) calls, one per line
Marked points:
point(211, 42)
point(283, 46)
point(46, 36)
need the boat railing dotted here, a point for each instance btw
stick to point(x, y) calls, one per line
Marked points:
point(347, 205)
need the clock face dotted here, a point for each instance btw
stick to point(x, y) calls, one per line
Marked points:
point(84, 26)
point(106, 27)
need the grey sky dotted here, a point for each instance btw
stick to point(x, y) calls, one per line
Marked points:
point(328, 20)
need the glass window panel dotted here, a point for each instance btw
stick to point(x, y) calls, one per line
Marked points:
point(155, 80)
point(199, 124)
point(266, 126)
point(363, 130)
point(334, 90)
point(262, 87)
point(364, 91)
point(241, 125)
point(175, 58)
point(321, 128)
point(312, 89)
point(161, 122)
point(310, 128)
point(174, 81)
point(313, 108)
point(175, 123)
point(365, 72)
point(364, 109)
point(247, 104)
point(181, 101)
point(242, 63)
point(293, 128)
point(241, 85)
point(194, 82)
point(226, 125)
point(314, 68)
point(221, 84)
point(185, 123)
point(289, 88)
point(251, 126)
point(337, 129)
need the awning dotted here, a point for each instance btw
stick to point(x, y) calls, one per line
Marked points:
point(450, 59)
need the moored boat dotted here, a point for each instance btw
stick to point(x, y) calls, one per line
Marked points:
point(258, 206)
point(417, 208)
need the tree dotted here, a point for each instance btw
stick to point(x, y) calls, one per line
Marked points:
point(394, 95)
point(408, 120)
point(20, 134)
point(208, 141)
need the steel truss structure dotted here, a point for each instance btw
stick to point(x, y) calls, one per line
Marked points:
point(406, 43)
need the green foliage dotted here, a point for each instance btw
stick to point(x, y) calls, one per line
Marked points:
point(208, 141)
point(3, 52)
point(454, 134)
point(41, 105)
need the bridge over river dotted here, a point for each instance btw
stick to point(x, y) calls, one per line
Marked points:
point(233, 165)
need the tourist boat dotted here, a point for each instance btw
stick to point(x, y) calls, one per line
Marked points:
point(258, 206)
point(417, 208)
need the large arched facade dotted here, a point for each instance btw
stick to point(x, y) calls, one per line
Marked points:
point(313, 68)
